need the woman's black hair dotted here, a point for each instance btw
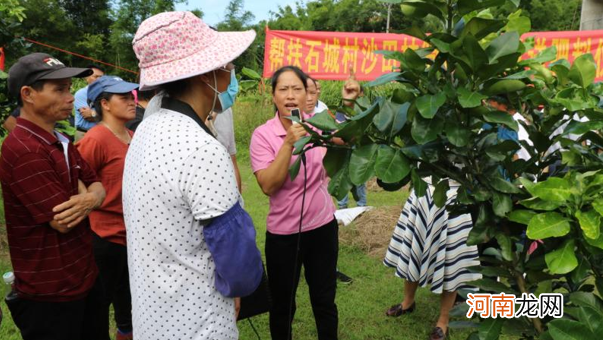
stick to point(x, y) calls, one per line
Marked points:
point(97, 103)
point(96, 67)
point(175, 88)
point(298, 72)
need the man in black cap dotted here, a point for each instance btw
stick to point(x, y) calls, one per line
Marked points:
point(48, 192)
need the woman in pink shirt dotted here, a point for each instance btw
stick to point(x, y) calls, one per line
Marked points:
point(296, 236)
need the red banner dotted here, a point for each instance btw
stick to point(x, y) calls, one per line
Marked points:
point(329, 55)
point(2, 58)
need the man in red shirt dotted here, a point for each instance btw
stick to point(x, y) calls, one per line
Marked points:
point(48, 193)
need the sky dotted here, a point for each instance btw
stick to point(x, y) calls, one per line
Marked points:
point(214, 9)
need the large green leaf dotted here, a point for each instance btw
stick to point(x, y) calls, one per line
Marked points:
point(582, 271)
point(501, 118)
point(457, 134)
point(391, 165)
point(334, 160)
point(490, 328)
point(562, 260)
point(468, 6)
point(419, 9)
point(426, 130)
point(554, 189)
point(574, 99)
point(481, 27)
point(428, 104)
point(564, 329)
point(596, 243)
point(475, 53)
point(503, 64)
point(550, 224)
point(442, 46)
point(299, 146)
point(538, 204)
point(503, 86)
point(517, 22)
point(543, 73)
point(440, 194)
point(502, 150)
point(598, 205)
point(412, 61)
point(419, 185)
point(391, 118)
point(402, 96)
point(501, 204)
point(324, 121)
point(525, 74)
point(490, 285)
point(579, 128)
point(294, 169)
point(592, 318)
point(583, 71)
point(506, 246)
point(369, 113)
point(362, 163)
point(251, 74)
point(587, 300)
point(469, 99)
point(340, 184)
point(503, 45)
point(480, 233)
point(385, 79)
point(590, 222)
point(522, 216)
point(503, 185)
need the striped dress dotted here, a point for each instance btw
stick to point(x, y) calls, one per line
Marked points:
point(429, 247)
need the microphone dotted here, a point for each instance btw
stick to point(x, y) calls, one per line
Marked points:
point(296, 113)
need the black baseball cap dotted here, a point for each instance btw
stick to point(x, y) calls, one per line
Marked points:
point(40, 66)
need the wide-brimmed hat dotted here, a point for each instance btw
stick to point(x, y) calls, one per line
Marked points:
point(109, 84)
point(40, 66)
point(177, 45)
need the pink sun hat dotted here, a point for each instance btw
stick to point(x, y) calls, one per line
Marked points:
point(177, 45)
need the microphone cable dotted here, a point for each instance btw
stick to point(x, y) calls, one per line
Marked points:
point(297, 249)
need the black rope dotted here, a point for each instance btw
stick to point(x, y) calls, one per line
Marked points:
point(303, 156)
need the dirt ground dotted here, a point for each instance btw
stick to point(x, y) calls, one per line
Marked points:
point(371, 232)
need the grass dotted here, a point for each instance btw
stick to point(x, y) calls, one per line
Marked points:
point(361, 304)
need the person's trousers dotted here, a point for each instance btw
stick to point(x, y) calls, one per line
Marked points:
point(72, 320)
point(112, 261)
point(359, 194)
point(318, 254)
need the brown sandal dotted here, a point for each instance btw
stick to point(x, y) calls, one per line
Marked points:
point(397, 310)
point(438, 334)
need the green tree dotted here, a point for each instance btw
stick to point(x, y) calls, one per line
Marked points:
point(238, 19)
point(127, 16)
point(11, 16)
point(553, 15)
point(436, 124)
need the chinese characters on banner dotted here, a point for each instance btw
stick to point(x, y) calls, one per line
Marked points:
point(329, 55)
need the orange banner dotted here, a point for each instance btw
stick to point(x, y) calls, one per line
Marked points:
point(2, 58)
point(329, 55)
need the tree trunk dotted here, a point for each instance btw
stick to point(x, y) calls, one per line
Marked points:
point(592, 15)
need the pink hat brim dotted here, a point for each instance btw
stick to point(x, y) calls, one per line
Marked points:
point(227, 47)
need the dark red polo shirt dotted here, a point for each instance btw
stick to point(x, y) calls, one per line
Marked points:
point(48, 265)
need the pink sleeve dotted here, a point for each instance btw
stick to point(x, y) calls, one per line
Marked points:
point(260, 151)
